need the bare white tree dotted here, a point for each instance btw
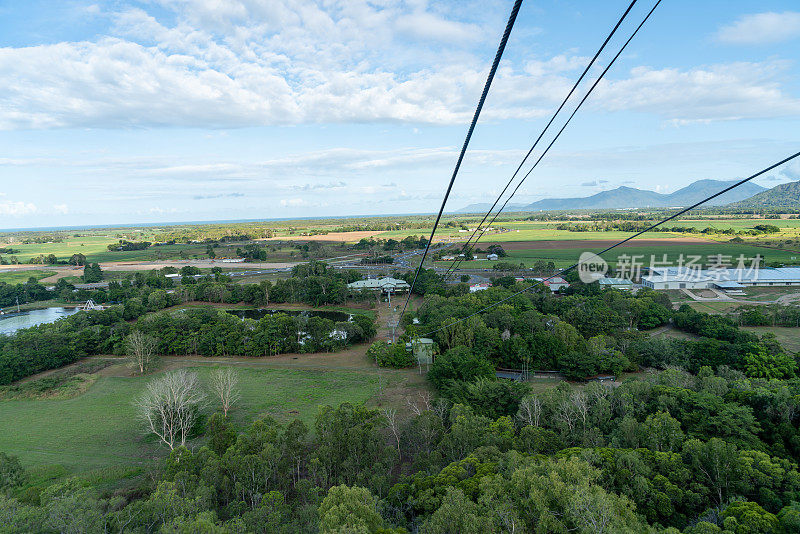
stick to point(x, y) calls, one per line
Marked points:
point(530, 411)
point(391, 419)
point(580, 404)
point(224, 385)
point(423, 405)
point(565, 413)
point(170, 406)
point(141, 351)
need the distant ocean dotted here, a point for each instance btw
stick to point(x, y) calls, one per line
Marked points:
point(184, 223)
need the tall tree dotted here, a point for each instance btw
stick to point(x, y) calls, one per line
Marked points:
point(141, 350)
point(224, 385)
point(170, 406)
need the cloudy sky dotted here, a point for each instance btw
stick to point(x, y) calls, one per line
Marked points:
point(184, 110)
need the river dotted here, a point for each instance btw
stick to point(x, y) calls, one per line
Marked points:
point(11, 322)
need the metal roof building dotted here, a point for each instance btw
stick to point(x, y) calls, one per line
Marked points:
point(675, 278)
point(380, 284)
point(617, 283)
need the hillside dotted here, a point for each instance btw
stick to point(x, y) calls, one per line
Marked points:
point(631, 197)
point(781, 196)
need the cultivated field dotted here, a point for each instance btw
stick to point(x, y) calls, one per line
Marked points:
point(568, 252)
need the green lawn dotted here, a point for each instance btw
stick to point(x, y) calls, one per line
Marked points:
point(20, 277)
point(99, 428)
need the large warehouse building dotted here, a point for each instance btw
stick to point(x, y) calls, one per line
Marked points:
point(728, 279)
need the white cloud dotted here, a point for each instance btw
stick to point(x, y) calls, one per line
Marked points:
point(61, 209)
point(761, 28)
point(17, 209)
point(716, 92)
point(247, 63)
point(156, 210)
point(293, 202)
point(423, 25)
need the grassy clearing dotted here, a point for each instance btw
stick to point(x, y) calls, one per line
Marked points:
point(713, 307)
point(98, 429)
point(789, 338)
point(64, 383)
point(20, 277)
point(767, 293)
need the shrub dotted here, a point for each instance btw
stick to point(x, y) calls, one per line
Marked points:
point(395, 356)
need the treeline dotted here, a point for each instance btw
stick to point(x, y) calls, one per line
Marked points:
point(711, 453)
point(202, 331)
point(407, 243)
point(769, 315)
point(125, 245)
point(634, 226)
point(212, 332)
point(587, 331)
point(579, 334)
point(31, 291)
point(205, 332)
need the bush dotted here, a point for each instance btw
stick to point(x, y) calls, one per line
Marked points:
point(395, 356)
point(11, 472)
point(459, 363)
point(488, 397)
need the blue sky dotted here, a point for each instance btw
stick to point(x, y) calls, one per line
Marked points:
point(173, 110)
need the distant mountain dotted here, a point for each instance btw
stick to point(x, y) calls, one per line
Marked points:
point(781, 196)
point(631, 197)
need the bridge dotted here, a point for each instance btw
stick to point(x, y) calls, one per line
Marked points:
point(91, 305)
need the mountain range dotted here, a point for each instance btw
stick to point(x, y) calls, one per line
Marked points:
point(631, 197)
point(781, 196)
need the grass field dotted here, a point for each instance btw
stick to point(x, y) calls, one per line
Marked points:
point(714, 308)
point(95, 248)
point(20, 277)
point(99, 428)
point(567, 256)
point(789, 338)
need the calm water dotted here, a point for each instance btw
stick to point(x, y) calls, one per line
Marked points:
point(11, 322)
point(258, 314)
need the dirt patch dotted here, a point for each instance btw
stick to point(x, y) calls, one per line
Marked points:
point(591, 244)
point(61, 274)
point(336, 237)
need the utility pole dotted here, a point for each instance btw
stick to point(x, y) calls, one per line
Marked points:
point(393, 323)
point(380, 381)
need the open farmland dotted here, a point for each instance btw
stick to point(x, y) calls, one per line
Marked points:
point(567, 253)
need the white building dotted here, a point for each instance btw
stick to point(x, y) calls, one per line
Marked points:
point(727, 279)
point(492, 257)
point(385, 285)
point(479, 287)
